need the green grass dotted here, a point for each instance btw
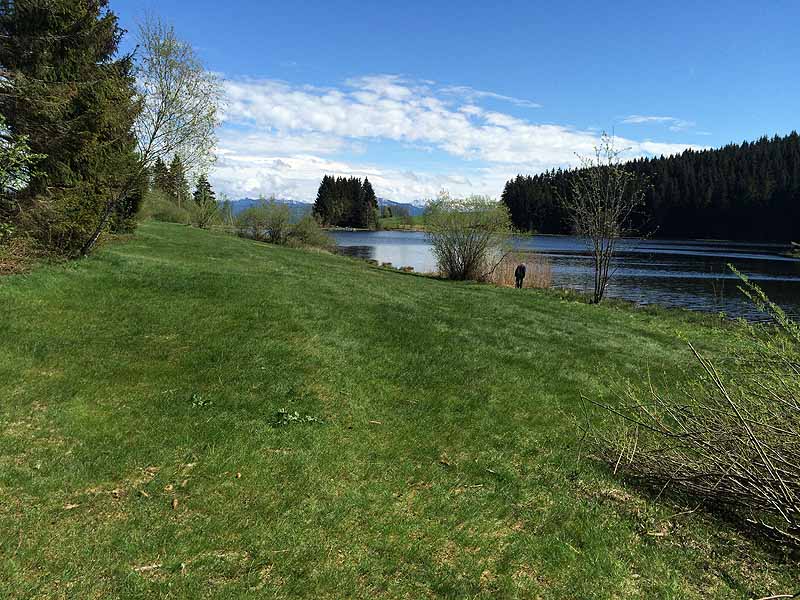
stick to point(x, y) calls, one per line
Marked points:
point(416, 223)
point(434, 453)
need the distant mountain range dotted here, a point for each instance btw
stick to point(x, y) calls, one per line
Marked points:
point(413, 209)
point(299, 208)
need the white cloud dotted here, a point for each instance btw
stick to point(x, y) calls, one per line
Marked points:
point(674, 123)
point(281, 138)
point(297, 177)
point(472, 94)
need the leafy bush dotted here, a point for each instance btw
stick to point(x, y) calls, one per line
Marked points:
point(730, 440)
point(63, 219)
point(308, 233)
point(203, 214)
point(271, 222)
point(468, 236)
point(266, 222)
point(160, 207)
point(7, 230)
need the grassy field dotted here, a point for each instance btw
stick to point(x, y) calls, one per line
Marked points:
point(416, 223)
point(150, 448)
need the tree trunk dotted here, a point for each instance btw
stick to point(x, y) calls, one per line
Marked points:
point(87, 247)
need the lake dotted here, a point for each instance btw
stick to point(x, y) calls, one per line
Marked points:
point(678, 273)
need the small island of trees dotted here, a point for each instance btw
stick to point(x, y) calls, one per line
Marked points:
point(346, 202)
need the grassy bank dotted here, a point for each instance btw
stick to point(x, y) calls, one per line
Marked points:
point(150, 447)
point(416, 223)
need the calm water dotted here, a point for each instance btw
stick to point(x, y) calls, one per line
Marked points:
point(684, 273)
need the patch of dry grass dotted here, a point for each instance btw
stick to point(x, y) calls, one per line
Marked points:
point(18, 255)
point(538, 272)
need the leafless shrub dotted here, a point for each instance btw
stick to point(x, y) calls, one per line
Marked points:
point(730, 441)
point(538, 272)
point(601, 202)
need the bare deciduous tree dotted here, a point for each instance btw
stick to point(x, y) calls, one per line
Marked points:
point(179, 108)
point(603, 198)
point(180, 99)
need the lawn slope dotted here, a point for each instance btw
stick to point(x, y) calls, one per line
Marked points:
point(143, 451)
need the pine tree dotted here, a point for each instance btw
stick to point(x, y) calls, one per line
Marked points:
point(204, 193)
point(368, 206)
point(73, 98)
point(324, 204)
point(346, 202)
point(177, 186)
point(160, 179)
point(205, 209)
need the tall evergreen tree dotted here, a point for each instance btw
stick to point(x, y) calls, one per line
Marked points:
point(178, 186)
point(326, 198)
point(204, 193)
point(65, 89)
point(160, 180)
point(205, 209)
point(368, 213)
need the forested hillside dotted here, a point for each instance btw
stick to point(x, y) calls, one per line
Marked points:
point(748, 191)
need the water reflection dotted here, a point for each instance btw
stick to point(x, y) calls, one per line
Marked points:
point(686, 273)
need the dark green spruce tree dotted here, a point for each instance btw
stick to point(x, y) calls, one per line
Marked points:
point(66, 89)
point(160, 180)
point(204, 193)
point(206, 208)
point(177, 184)
point(368, 206)
point(326, 199)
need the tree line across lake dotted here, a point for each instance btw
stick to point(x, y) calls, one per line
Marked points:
point(748, 191)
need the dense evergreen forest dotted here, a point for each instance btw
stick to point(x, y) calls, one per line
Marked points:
point(748, 191)
point(346, 202)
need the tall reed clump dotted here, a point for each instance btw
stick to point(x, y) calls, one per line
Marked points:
point(538, 272)
point(728, 441)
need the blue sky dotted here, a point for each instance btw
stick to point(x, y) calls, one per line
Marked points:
point(421, 96)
